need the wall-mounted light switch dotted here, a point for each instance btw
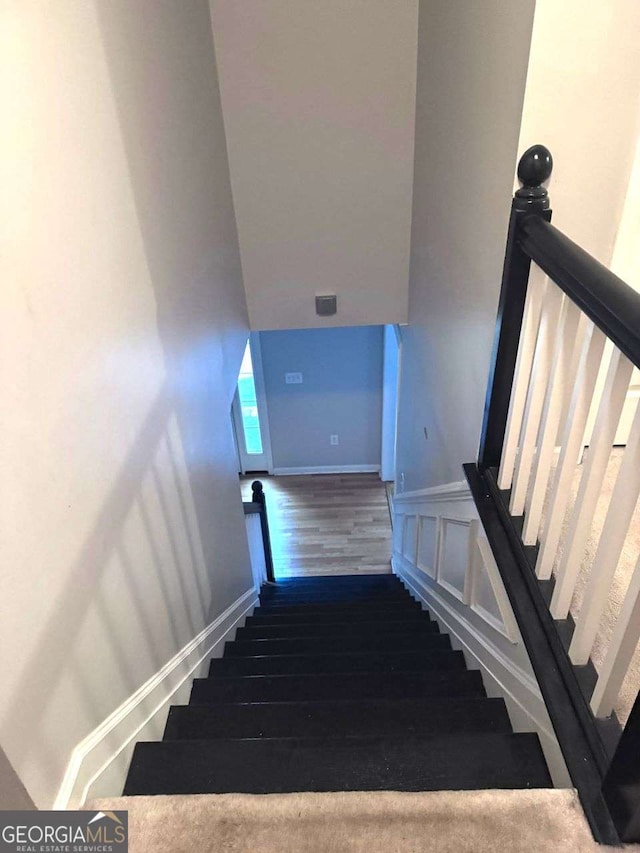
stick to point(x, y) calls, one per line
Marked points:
point(293, 378)
point(333, 439)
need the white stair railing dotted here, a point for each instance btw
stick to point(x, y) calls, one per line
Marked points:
point(570, 448)
point(538, 381)
point(526, 348)
point(620, 652)
point(559, 358)
point(558, 505)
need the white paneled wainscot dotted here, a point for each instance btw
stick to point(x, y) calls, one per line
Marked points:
point(443, 558)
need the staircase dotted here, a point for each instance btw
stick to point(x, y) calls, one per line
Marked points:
point(338, 684)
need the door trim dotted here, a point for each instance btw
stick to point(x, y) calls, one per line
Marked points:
point(266, 458)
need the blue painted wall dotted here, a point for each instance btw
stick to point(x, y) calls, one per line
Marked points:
point(341, 394)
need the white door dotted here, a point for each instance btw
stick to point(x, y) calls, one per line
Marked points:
point(249, 412)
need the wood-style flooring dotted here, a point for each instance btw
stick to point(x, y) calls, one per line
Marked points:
point(326, 524)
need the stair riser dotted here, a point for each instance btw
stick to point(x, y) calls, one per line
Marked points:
point(353, 685)
point(348, 591)
point(342, 607)
point(338, 719)
point(337, 629)
point(361, 764)
point(310, 664)
point(344, 589)
point(344, 645)
point(336, 580)
point(358, 600)
point(333, 583)
point(354, 618)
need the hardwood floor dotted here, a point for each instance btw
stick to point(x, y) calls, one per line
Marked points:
point(327, 524)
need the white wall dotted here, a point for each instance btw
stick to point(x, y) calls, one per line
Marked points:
point(472, 61)
point(319, 103)
point(341, 394)
point(625, 260)
point(123, 328)
point(582, 101)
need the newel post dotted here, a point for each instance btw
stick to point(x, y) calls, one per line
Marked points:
point(257, 497)
point(532, 199)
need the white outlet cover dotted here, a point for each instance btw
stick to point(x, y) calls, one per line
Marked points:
point(333, 439)
point(293, 378)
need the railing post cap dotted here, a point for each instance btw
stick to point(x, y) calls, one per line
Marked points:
point(534, 168)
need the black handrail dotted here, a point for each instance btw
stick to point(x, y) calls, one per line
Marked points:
point(258, 505)
point(608, 783)
point(569, 712)
point(607, 300)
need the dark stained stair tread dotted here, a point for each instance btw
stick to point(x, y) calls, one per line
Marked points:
point(347, 595)
point(450, 762)
point(370, 579)
point(328, 645)
point(352, 662)
point(335, 629)
point(332, 586)
point(338, 684)
point(356, 606)
point(361, 718)
point(350, 685)
point(327, 617)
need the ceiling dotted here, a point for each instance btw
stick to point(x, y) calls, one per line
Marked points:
point(319, 104)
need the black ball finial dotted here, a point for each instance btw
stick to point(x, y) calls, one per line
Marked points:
point(257, 490)
point(534, 168)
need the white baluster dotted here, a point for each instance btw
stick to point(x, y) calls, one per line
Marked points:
point(566, 358)
point(604, 430)
point(526, 348)
point(620, 652)
point(570, 443)
point(535, 396)
point(623, 502)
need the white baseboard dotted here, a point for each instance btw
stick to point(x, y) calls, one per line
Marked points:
point(99, 763)
point(502, 675)
point(329, 469)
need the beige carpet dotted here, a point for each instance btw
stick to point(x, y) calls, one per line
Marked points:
point(626, 565)
point(540, 821)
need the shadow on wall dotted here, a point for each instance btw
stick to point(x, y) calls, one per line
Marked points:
point(169, 115)
point(148, 519)
point(13, 794)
